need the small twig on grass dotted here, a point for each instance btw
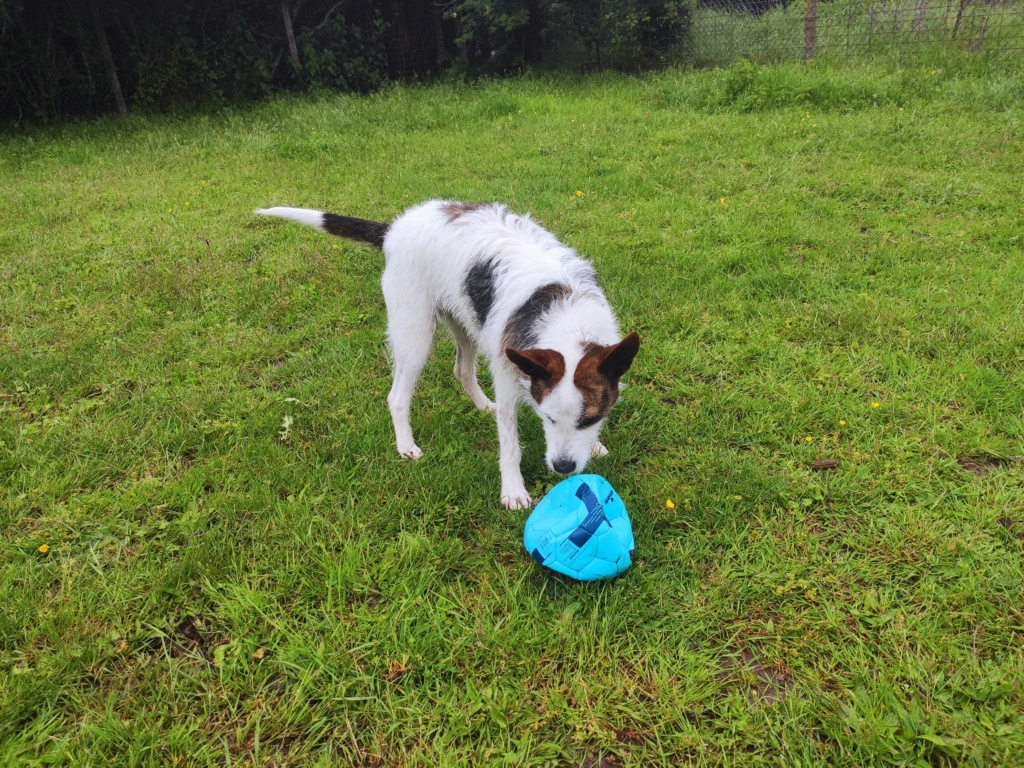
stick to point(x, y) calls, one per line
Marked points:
point(825, 464)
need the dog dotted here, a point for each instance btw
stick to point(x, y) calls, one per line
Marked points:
point(508, 289)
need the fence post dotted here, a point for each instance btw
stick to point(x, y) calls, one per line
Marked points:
point(810, 29)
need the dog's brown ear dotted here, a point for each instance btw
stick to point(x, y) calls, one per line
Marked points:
point(616, 359)
point(538, 364)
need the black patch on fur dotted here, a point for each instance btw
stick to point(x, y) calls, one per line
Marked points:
point(479, 287)
point(363, 230)
point(521, 331)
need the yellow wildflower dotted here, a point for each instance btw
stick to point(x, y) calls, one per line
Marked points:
point(669, 504)
point(44, 548)
point(875, 404)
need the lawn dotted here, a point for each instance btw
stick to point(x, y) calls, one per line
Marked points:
point(210, 552)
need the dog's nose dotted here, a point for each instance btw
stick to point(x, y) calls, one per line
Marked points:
point(564, 466)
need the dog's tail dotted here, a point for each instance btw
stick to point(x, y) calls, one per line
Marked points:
point(362, 230)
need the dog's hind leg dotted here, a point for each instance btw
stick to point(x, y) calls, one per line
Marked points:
point(465, 366)
point(411, 336)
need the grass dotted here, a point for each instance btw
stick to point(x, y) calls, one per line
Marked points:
point(239, 571)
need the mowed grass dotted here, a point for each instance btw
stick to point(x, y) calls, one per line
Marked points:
point(239, 570)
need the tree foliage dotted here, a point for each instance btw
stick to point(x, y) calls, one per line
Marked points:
point(65, 58)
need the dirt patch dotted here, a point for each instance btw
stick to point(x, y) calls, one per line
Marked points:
point(371, 597)
point(188, 640)
point(770, 684)
point(642, 684)
point(185, 640)
point(601, 761)
point(397, 670)
point(628, 736)
point(983, 466)
point(1014, 527)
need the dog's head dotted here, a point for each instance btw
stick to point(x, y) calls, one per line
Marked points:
point(573, 405)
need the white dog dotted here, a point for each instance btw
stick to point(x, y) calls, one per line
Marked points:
point(506, 288)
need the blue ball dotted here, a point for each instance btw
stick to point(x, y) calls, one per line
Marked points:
point(581, 529)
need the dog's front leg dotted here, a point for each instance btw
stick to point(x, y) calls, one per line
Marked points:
point(513, 489)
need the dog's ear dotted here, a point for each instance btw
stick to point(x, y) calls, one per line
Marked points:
point(616, 359)
point(538, 364)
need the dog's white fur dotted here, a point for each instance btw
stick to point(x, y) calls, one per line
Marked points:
point(429, 251)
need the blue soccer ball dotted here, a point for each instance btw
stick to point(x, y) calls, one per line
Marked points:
point(581, 529)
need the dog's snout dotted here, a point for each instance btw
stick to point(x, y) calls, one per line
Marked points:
point(564, 466)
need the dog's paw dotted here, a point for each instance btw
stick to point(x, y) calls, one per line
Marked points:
point(516, 500)
point(410, 452)
point(488, 407)
point(598, 450)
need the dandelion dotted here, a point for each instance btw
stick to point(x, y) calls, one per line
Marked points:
point(842, 422)
point(169, 210)
point(809, 439)
point(579, 193)
point(203, 182)
point(259, 653)
point(722, 201)
point(187, 202)
point(901, 109)
point(875, 403)
point(669, 504)
point(43, 549)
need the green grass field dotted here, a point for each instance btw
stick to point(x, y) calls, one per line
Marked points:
point(210, 553)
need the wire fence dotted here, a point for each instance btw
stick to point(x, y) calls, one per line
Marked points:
point(847, 29)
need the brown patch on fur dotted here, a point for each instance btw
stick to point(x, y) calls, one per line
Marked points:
point(454, 211)
point(545, 367)
point(599, 392)
point(597, 377)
